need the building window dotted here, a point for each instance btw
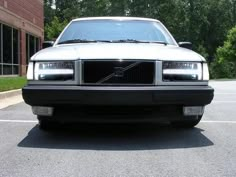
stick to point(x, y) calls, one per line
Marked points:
point(32, 46)
point(9, 50)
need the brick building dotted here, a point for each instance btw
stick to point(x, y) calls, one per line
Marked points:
point(21, 34)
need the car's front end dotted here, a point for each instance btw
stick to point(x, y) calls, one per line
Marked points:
point(118, 81)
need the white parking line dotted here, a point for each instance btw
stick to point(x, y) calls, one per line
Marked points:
point(19, 121)
point(223, 101)
point(221, 122)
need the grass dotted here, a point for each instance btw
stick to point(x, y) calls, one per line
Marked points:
point(11, 83)
point(224, 79)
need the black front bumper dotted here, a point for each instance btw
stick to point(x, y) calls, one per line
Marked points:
point(117, 96)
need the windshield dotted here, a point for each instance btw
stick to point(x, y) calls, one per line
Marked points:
point(116, 30)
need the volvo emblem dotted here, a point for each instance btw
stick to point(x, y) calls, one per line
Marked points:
point(119, 71)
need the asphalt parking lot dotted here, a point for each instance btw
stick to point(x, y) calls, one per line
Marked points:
point(209, 150)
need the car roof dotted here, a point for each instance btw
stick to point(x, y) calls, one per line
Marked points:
point(116, 18)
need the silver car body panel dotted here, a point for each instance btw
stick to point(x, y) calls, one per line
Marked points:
point(117, 51)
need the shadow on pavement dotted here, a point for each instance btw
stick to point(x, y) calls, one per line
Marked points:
point(113, 137)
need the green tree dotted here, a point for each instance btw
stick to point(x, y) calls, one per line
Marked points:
point(218, 23)
point(48, 11)
point(90, 8)
point(54, 28)
point(228, 51)
point(118, 8)
point(225, 65)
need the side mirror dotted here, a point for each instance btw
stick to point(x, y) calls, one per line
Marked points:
point(47, 44)
point(187, 45)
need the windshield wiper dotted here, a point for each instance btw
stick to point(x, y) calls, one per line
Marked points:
point(82, 41)
point(159, 42)
point(138, 41)
point(110, 41)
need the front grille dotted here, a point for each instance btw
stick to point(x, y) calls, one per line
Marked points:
point(118, 72)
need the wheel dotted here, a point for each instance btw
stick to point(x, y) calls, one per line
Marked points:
point(45, 124)
point(189, 122)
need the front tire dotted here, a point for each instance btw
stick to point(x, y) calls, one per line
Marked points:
point(45, 123)
point(189, 122)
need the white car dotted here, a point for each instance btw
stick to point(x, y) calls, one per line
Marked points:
point(118, 69)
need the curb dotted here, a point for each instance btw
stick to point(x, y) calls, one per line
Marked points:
point(9, 94)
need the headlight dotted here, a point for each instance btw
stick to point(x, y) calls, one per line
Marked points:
point(54, 71)
point(184, 71)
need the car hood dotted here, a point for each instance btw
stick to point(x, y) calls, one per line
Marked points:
point(99, 51)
